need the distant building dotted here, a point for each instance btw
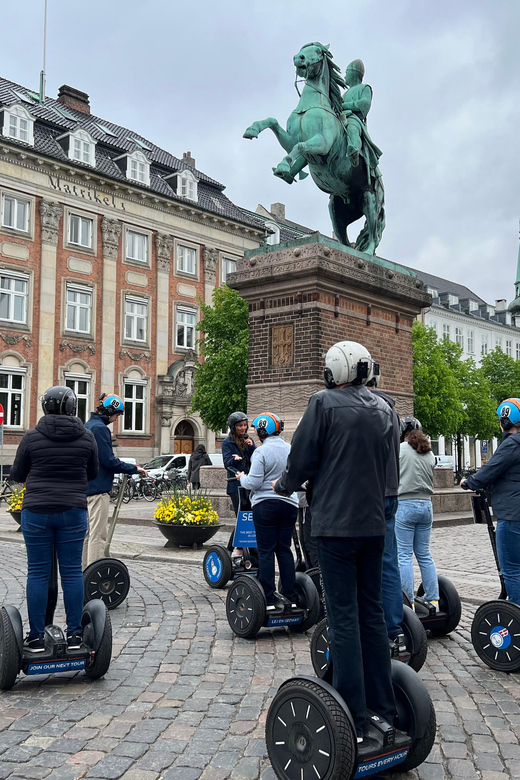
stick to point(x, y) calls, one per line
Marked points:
point(107, 243)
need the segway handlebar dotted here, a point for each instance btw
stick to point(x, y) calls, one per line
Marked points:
point(115, 514)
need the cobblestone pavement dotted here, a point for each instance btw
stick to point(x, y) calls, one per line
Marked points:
point(185, 699)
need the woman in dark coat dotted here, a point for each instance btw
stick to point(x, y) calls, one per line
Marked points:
point(199, 458)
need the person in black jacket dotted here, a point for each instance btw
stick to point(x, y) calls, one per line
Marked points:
point(110, 408)
point(342, 446)
point(55, 460)
point(199, 458)
point(237, 451)
point(502, 475)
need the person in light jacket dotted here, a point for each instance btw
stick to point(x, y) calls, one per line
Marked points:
point(199, 458)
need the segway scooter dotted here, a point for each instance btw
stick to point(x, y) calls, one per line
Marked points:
point(93, 656)
point(310, 732)
point(108, 578)
point(218, 566)
point(440, 621)
point(495, 630)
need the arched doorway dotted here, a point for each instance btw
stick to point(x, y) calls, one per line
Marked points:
point(183, 438)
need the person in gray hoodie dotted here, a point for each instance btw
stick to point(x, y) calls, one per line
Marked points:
point(274, 516)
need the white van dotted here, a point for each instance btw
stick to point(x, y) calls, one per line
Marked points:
point(162, 463)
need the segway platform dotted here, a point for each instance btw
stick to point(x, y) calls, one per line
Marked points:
point(440, 621)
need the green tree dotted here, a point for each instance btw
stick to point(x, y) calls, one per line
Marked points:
point(220, 381)
point(437, 400)
point(503, 373)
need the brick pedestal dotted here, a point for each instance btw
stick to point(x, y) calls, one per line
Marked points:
point(305, 296)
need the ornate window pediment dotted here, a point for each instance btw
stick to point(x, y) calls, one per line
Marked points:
point(18, 124)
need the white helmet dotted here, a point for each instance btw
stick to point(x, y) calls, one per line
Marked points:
point(348, 361)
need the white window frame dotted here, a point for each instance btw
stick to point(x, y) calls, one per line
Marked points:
point(179, 253)
point(273, 238)
point(498, 341)
point(471, 342)
point(225, 271)
point(133, 318)
point(18, 203)
point(75, 378)
point(187, 328)
point(83, 219)
point(13, 128)
point(517, 350)
point(10, 392)
point(131, 403)
point(77, 306)
point(187, 185)
point(138, 168)
point(129, 234)
point(509, 347)
point(446, 330)
point(484, 344)
point(16, 294)
point(459, 335)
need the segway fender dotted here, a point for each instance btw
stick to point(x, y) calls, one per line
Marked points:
point(95, 613)
point(412, 687)
point(16, 622)
point(329, 689)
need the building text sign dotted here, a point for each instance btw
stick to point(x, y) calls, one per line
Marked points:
point(86, 193)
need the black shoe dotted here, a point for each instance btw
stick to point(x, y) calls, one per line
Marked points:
point(398, 648)
point(74, 641)
point(275, 608)
point(35, 644)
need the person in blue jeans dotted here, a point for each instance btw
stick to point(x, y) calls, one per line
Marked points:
point(55, 460)
point(274, 516)
point(502, 475)
point(414, 518)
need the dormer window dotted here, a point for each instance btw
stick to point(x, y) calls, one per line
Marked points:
point(138, 168)
point(18, 124)
point(274, 236)
point(79, 146)
point(187, 185)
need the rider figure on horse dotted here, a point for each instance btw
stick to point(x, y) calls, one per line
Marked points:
point(357, 101)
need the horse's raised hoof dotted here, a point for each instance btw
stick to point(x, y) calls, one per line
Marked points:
point(284, 172)
point(250, 133)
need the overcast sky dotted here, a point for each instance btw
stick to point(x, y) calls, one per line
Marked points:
point(193, 75)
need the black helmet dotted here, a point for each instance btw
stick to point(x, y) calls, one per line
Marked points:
point(409, 423)
point(59, 400)
point(236, 417)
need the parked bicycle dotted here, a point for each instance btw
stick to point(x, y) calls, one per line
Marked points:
point(142, 487)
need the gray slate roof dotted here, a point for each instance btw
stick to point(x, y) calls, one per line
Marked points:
point(52, 119)
point(445, 286)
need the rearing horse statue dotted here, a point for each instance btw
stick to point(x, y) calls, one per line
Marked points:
point(316, 137)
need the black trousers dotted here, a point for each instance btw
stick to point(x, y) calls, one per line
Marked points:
point(351, 570)
point(274, 523)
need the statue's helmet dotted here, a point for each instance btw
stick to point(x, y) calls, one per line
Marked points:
point(357, 66)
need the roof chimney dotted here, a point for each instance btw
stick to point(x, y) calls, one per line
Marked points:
point(278, 210)
point(74, 98)
point(501, 304)
point(188, 159)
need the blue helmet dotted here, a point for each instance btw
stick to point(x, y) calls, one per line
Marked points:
point(267, 424)
point(112, 404)
point(509, 412)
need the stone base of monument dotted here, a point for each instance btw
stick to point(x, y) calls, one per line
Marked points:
point(214, 480)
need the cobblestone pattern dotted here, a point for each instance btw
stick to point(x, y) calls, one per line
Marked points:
point(184, 699)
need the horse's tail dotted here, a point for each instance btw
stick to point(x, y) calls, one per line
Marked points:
point(363, 239)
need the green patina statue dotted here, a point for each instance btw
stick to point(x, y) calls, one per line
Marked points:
point(328, 133)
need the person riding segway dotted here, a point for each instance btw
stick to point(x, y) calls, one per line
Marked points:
point(374, 709)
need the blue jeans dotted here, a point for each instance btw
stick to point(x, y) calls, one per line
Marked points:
point(413, 527)
point(274, 521)
point(65, 532)
point(391, 580)
point(508, 549)
point(351, 571)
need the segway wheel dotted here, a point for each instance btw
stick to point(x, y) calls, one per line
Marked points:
point(308, 599)
point(245, 607)
point(97, 666)
point(217, 566)
point(495, 635)
point(9, 653)
point(415, 714)
point(320, 651)
point(309, 734)
point(416, 639)
point(449, 603)
point(107, 579)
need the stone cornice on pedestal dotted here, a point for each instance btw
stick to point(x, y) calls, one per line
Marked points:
point(317, 256)
point(164, 245)
point(51, 213)
point(111, 230)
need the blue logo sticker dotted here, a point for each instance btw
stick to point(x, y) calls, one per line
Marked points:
point(500, 638)
point(50, 667)
point(285, 621)
point(213, 567)
point(380, 763)
point(245, 535)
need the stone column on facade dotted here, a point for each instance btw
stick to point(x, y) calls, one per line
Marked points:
point(111, 231)
point(51, 213)
point(164, 407)
point(210, 257)
point(164, 245)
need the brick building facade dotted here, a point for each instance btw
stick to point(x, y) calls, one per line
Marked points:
point(107, 246)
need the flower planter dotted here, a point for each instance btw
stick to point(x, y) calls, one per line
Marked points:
point(186, 535)
point(17, 517)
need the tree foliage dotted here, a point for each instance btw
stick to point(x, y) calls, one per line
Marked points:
point(220, 381)
point(503, 373)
